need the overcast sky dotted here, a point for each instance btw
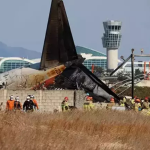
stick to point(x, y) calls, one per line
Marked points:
point(23, 22)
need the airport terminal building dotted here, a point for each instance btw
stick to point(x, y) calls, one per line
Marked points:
point(9, 63)
point(92, 57)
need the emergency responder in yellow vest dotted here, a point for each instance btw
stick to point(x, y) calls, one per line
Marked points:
point(124, 99)
point(122, 102)
point(145, 106)
point(137, 105)
point(111, 104)
point(133, 100)
point(88, 105)
point(65, 105)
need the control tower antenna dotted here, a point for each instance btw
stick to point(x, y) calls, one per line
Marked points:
point(111, 41)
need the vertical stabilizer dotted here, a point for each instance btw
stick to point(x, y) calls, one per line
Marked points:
point(58, 46)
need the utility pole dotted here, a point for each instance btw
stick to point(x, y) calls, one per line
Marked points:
point(132, 68)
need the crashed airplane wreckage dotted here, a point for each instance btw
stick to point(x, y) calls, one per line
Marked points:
point(59, 48)
point(60, 65)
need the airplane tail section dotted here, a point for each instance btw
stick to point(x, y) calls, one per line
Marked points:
point(58, 46)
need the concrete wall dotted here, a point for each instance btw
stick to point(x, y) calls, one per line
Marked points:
point(48, 100)
point(79, 99)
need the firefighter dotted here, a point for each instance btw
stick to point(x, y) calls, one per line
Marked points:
point(65, 105)
point(111, 104)
point(28, 105)
point(133, 100)
point(17, 104)
point(137, 105)
point(122, 101)
point(145, 106)
point(10, 104)
point(35, 102)
point(87, 95)
point(88, 105)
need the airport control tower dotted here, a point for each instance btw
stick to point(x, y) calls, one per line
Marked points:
point(111, 41)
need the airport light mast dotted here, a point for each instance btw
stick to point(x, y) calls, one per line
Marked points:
point(111, 41)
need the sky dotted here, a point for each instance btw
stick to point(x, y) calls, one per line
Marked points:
point(23, 23)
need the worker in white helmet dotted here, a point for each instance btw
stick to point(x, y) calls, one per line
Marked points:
point(17, 104)
point(28, 105)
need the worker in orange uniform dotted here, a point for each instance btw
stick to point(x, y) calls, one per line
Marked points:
point(10, 104)
point(36, 107)
point(137, 105)
point(111, 104)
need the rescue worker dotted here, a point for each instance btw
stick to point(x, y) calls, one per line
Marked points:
point(87, 95)
point(111, 104)
point(10, 104)
point(88, 105)
point(142, 101)
point(28, 105)
point(35, 102)
point(65, 105)
point(145, 106)
point(133, 100)
point(137, 105)
point(129, 104)
point(17, 104)
point(122, 101)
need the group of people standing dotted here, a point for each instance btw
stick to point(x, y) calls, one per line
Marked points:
point(29, 105)
point(88, 104)
point(142, 105)
point(137, 104)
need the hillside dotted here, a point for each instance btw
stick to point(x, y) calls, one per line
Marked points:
point(6, 51)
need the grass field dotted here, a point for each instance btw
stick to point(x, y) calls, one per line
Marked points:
point(97, 130)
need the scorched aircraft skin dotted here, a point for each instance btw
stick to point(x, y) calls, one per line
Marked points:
point(59, 60)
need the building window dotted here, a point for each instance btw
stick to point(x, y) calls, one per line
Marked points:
point(12, 64)
point(109, 27)
point(116, 27)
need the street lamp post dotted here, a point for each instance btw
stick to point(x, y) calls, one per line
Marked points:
point(132, 68)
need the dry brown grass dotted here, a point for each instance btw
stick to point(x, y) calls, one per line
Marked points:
point(97, 130)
